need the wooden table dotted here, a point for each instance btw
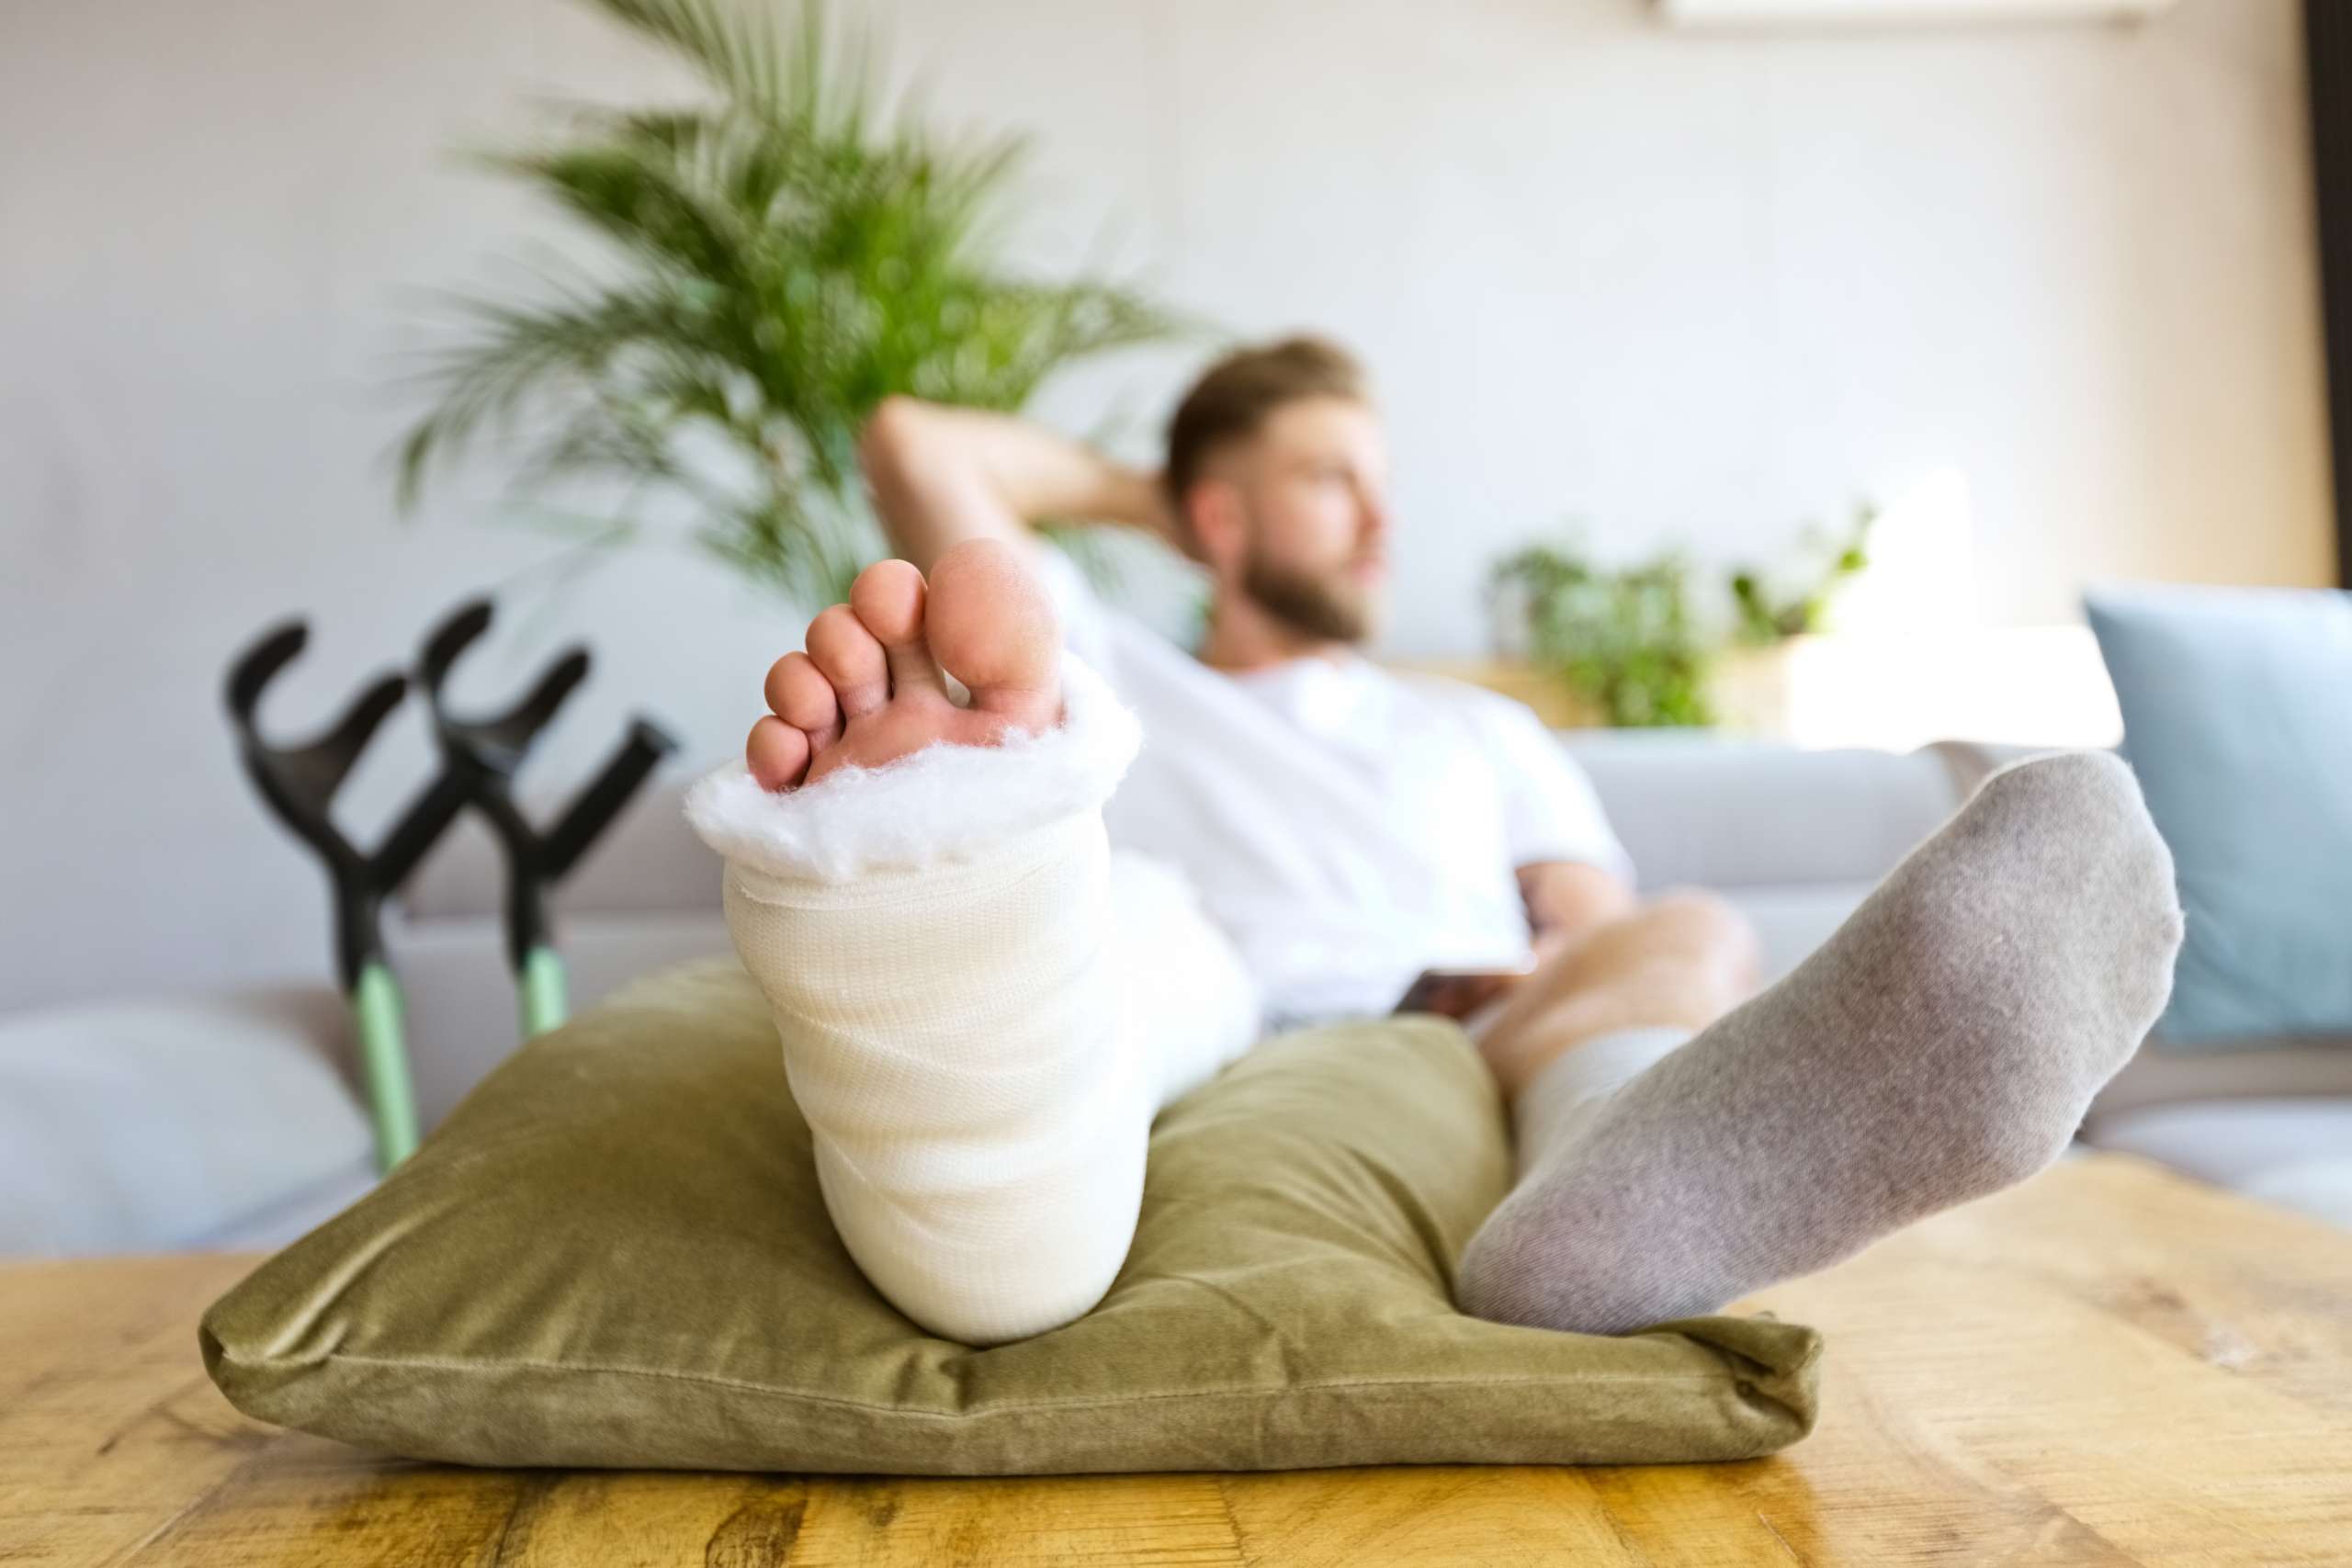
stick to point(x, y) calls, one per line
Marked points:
point(2109, 1365)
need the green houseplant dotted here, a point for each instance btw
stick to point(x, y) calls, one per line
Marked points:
point(1770, 606)
point(1636, 645)
point(1625, 641)
point(777, 259)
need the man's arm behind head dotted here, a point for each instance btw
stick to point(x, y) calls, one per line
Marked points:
point(942, 475)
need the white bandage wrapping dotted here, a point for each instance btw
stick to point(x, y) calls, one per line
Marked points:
point(978, 1009)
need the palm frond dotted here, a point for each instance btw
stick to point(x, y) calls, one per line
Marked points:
point(735, 46)
point(779, 259)
point(516, 356)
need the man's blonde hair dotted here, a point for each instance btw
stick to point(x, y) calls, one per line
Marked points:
point(1233, 397)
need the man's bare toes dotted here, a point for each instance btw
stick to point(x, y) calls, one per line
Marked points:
point(991, 625)
point(777, 753)
point(887, 599)
point(850, 656)
point(799, 695)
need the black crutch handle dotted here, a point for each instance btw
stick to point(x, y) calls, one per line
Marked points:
point(596, 807)
point(498, 744)
point(298, 783)
point(487, 753)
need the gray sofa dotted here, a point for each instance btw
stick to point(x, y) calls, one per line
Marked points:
point(1794, 837)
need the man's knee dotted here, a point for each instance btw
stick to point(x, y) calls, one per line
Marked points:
point(1705, 927)
point(1684, 958)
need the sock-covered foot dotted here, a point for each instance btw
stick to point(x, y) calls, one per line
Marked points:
point(1943, 1044)
point(869, 689)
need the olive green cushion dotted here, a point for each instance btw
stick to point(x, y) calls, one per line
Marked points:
point(615, 1253)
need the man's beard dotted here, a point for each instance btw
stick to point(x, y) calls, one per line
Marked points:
point(1313, 606)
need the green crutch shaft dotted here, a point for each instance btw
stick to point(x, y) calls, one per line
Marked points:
point(541, 983)
point(383, 1062)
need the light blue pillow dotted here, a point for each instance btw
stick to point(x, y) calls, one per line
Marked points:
point(2237, 716)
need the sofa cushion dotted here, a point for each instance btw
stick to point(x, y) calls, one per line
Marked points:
point(615, 1253)
point(1712, 811)
point(2253, 1069)
point(150, 1126)
point(2321, 1187)
point(2230, 1143)
point(2289, 1152)
point(1790, 923)
point(2237, 719)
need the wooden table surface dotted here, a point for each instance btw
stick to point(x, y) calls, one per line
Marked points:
point(2109, 1365)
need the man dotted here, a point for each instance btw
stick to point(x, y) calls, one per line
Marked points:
point(902, 865)
point(1346, 827)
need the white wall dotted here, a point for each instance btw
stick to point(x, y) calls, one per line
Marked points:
point(1677, 286)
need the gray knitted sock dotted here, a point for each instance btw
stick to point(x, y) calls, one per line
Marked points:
point(1941, 1046)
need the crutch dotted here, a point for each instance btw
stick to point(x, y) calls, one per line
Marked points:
point(298, 783)
point(483, 755)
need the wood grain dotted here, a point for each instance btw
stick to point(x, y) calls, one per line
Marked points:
point(2109, 1366)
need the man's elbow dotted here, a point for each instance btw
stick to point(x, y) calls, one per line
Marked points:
point(891, 435)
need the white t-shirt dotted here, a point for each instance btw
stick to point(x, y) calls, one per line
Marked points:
point(1346, 826)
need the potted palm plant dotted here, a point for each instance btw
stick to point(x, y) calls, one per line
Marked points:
point(773, 260)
